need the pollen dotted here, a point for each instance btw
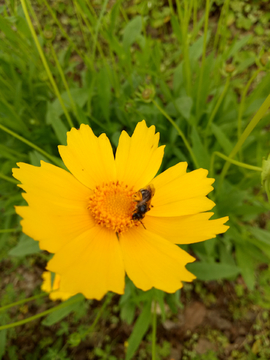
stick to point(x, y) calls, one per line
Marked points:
point(112, 205)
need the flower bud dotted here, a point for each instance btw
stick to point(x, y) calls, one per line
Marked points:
point(229, 68)
point(48, 34)
point(147, 93)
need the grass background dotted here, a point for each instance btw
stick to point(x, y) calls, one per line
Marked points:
point(199, 72)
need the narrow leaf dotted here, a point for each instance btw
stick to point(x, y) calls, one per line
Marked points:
point(132, 31)
point(184, 106)
point(245, 260)
point(58, 126)
point(199, 150)
point(3, 340)
point(60, 314)
point(104, 92)
point(223, 140)
point(139, 330)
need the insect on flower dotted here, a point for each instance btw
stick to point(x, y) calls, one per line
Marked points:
point(143, 198)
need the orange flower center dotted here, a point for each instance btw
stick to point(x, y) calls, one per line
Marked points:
point(112, 206)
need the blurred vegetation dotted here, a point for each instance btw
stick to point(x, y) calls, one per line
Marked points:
point(198, 71)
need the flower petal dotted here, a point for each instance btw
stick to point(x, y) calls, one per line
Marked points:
point(138, 158)
point(151, 261)
point(57, 210)
point(184, 195)
point(89, 158)
point(186, 229)
point(47, 287)
point(91, 264)
point(169, 175)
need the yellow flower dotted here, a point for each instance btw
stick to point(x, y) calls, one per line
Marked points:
point(47, 287)
point(86, 217)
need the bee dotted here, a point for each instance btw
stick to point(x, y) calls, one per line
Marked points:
point(143, 199)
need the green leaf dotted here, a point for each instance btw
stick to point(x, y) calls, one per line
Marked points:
point(259, 30)
point(261, 239)
point(173, 300)
point(25, 246)
point(244, 22)
point(265, 175)
point(184, 106)
point(5, 27)
point(166, 91)
point(139, 330)
point(244, 64)
point(104, 92)
point(60, 314)
point(36, 157)
point(114, 15)
point(10, 117)
point(79, 96)
point(58, 126)
point(260, 234)
point(196, 49)
point(205, 90)
point(128, 312)
point(82, 118)
point(176, 27)
point(222, 139)
point(3, 340)
point(245, 260)
point(199, 150)
point(253, 106)
point(237, 46)
point(160, 298)
point(132, 31)
point(213, 271)
point(178, 79)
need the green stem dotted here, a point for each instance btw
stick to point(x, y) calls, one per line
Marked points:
point(255, 120)
point(203, 56)
point(242, 102)
point(235, 162)
point(31, 318)
point(54, 160)
point(179, 132)
point(32, 12)
point(154, 331)
point(218, 103)
point(7, 178)
point(45, 64)
point(62, 75)
point(3, 308)
point(105, 303)
point(3, 231)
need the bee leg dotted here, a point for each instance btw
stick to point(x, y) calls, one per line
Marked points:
point(142, 224)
